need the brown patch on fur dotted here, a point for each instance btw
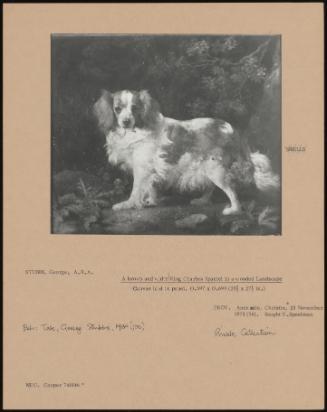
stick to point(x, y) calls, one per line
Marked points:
point(150, 110)
point(103, 111)
point(182, 140)
point(208, 140)
point(217, 136)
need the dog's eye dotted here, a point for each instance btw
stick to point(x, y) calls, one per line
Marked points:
point(117, 109)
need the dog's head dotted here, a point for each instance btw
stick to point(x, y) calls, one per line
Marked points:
point(125, 109)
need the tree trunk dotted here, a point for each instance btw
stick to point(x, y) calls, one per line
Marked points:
point(264, 129)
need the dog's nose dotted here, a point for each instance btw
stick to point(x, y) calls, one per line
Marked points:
point(126, 122)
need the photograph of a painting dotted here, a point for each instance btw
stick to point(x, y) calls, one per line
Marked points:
point(166, 134)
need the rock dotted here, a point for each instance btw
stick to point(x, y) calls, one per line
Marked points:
point(192, 221)
point(131, 221)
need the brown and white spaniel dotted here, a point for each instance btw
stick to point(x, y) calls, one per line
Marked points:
point(197, 154)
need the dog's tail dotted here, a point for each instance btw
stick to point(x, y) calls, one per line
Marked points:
point(264, 177)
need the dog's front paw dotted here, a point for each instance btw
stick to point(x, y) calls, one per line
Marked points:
point(150, 202)
point(232, 210)
point(127, 204)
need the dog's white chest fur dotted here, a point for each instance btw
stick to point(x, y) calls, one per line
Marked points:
point(132, 148)
point(120, 146)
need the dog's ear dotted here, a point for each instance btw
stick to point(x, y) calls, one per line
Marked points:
point(104, 113)
point(150, 109)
